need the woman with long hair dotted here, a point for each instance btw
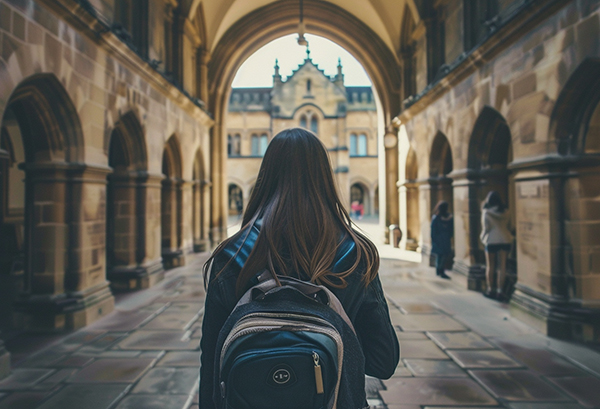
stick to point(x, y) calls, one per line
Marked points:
point(497, 239)
point(295, 225)
point(442, 231)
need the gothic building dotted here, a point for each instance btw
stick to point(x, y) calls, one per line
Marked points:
point(343, 117)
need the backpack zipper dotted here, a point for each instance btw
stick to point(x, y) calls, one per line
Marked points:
point(318, 374)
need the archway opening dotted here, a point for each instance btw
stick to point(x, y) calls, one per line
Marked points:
point(125, 224)
point(340, 107)
point(490, 152)
point(236, 200)
point(330, 21)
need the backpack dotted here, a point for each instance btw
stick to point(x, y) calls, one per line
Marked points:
point(288, 344)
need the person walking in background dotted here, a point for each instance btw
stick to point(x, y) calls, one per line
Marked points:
point(442, 232)
point(496, 237)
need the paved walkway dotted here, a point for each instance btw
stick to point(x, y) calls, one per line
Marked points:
point(459, 350)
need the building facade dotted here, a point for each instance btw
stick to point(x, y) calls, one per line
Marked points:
point(343, 117)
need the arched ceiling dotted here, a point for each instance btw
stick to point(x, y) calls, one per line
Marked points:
point(383, 17)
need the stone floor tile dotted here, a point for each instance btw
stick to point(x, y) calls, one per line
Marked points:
point(373, 386)
point(428, 322)
point(168, 381)
point(54, 379)
point(418, 308)
point(410, 335)
point(23, 378)
point(22, 400)
point(483, 359)
point(420, 349)
point(541, 360)
point(395, 315)
point(404, 406)
point(518, 385)
point(194, 407)
point(459, 340)
point(117, 354)
point(435, 368)
point(171, 321)
point(155, 402)
point(435, 391)
point(123, 320)
point(103, 343)
point(181, 358)
point(402, 371)
point(44, 358)
point(159, 340)
point(86, 396)
point(585, 389)
point(530, 405)
point(112, 370)
point(78, 361)
point(180, 307)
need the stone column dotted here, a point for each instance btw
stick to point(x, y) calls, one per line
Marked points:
point(469, 259)
point(4, 360)
point(205, 243)
point(148, 203)
point(392, 199)
point(186, 219)
point(171, 223)
point(127, 270)
point(558, 290)
point(65, 262)
point(425, 218)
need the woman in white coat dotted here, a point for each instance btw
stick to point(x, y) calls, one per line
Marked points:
point(497, 239)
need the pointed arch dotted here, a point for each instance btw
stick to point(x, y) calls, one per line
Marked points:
point(440, 158)
point(127, 143)
point(574, 108)
point(48, 119)
point(490, 142)
point(172, 163)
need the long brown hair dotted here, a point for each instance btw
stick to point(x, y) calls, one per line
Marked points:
point(303, 219)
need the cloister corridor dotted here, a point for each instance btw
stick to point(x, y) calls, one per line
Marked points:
point(458, 350)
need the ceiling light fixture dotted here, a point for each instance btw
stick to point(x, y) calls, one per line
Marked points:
point(301, 40)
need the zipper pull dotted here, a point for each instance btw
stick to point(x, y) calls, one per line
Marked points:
point(318, 374)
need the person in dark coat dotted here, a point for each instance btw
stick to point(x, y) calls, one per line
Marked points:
point(295, 225)
point(442, 232)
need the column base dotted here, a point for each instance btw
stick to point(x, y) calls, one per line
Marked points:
point(4, 361)
point(135, 278)
point(556, 317)
point(64, 311)
point(475, 275)
point(172, 259)
point(201, 245)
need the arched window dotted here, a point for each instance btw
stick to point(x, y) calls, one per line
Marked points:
point(308, 86)
point(254, 143)
point(264, 142)
point(233, 145)
point(303, 122)
point(353, 144)
point(362, 145)
point(314, 125)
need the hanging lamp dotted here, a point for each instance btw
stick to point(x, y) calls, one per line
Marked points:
point(301, 40)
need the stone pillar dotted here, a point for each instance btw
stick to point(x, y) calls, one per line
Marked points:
point(558, 290)
point(409, 192)
point(392, 199)
point(205, 244)
point(149, 189)
point(425, 218)
point(469, 259)
point(186, 209)
point(127, 231)
point(218, 175)
point(171, 223)
point(65, 260)
point(4, 360)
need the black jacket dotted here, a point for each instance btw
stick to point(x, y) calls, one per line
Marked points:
point(366, 307)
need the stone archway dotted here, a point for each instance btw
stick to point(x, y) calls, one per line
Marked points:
point(235, 200)
point(359, 192)
point(127, 263)
point(490, 152)
point(171, 205)
point(274, 20)
point(59, 241)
